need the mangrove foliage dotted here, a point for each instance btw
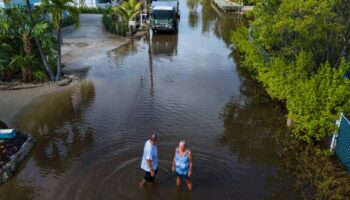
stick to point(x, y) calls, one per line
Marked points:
point(299, 50)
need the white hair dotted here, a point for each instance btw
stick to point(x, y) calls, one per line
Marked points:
point(183, 142)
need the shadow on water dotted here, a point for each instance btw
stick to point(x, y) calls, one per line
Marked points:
point(248, 131)
point(251, 122)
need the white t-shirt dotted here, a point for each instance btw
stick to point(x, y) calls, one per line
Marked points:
point(149, 153)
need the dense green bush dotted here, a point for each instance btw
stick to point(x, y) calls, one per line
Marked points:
point(18, 51)
point(297, 50)
point(113, 25)
point(94, 10)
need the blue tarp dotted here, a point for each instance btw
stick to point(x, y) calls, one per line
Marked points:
point(7, 133)
point(343, 142)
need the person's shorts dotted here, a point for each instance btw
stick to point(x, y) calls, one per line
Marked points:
point(147, 176)
point(182, 176)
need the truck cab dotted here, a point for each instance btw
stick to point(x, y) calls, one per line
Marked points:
point(164, 16)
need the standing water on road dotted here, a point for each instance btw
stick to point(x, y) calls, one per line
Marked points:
point(89, 138)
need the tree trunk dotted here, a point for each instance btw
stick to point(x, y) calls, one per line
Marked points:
point(59, 56)
point(37, 42)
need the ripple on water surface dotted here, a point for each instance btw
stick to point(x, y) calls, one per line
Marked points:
point(90, 139)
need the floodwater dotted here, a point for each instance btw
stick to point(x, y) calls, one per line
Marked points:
point(89, 138)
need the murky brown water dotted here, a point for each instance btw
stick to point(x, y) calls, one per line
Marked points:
point(90, 138)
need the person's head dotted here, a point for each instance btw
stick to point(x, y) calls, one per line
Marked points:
point(182, 145)
point(154, 138)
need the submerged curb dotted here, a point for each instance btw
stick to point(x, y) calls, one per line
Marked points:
point(8, 169)
point(67, 79)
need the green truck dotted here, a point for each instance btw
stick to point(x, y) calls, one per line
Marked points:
point(165, 16)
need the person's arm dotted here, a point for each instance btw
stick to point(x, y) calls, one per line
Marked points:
point(149, 163)
point(174, 162)
point(191, 164)
point(149, 160)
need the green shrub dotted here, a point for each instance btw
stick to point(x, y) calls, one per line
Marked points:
point(40, 76)
point(114, 26)
point(18, 51)
point(94, 10)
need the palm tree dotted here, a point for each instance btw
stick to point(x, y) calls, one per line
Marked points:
point(128, 10)
point(58, 8)
point(25, 33)
point(16, 34)
point(37, 41)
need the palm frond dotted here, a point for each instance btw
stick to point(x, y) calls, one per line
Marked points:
point(122, 12)
point(138, 5)
point(4, 27)
point(40, 29)
point(6, 46)
point(19, 61)
point(3, 61)
point(128, 10)
point(57, 7)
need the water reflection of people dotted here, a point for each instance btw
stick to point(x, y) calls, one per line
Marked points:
point(149, 162)
point(182, 164)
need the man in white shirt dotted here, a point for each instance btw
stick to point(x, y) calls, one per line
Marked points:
point(149, 162)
